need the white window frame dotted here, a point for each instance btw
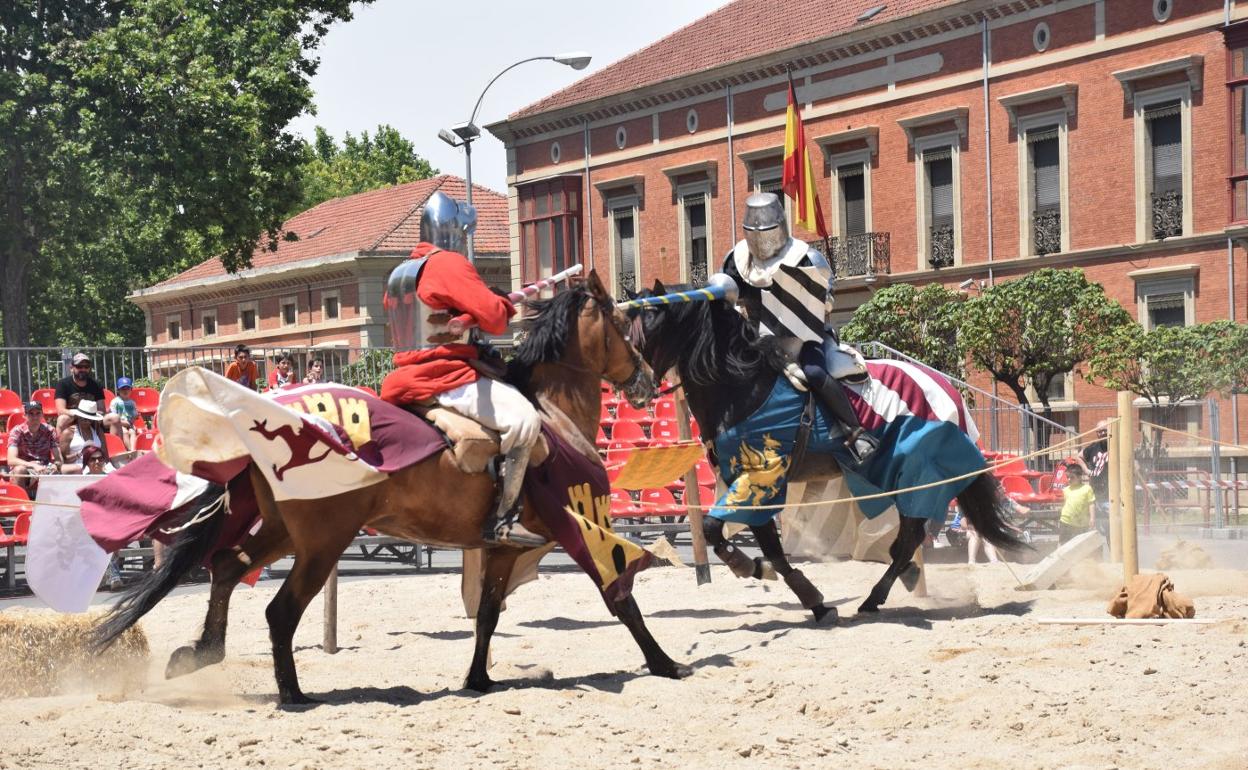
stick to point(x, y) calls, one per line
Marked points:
point(173, 318)
point(333, 294)
point(255, 308)
point(204, 315)
point(281, 311)
point(702, 188)
point(762, 171)
point(1066, 398)
point(632, 204)
point(835, 162)
point(1148, 287)
point(922, 144)
point(1026, 246)
point(1143, 175)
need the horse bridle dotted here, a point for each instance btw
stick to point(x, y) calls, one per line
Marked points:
point(637, 331)
point(634, 355)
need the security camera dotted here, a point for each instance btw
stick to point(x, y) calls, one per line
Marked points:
point(967, 284)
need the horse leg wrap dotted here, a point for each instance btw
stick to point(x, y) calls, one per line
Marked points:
point(741, 565)
point(806, 593)
point(242, 556)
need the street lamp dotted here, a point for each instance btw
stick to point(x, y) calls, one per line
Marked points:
point(464, 134)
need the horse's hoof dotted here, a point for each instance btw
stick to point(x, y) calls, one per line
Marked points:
point(297, 699)
point(481, 684)
point(910, 576)
point(869, 607)
point(183, 661)
point(766, 570)
point(824, 615)
point(672, 670)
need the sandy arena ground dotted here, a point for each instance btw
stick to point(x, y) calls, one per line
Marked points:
point(965, 678)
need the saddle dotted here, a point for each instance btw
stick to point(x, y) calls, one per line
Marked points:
point(472, 445)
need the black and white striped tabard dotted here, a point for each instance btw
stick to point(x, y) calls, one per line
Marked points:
point(794, 304)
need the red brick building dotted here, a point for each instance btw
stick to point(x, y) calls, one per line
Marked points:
point(974, 139)
point(322, 290)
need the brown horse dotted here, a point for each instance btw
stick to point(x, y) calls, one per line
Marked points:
point(576, 340)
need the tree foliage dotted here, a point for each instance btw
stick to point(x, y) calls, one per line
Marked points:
point(360, 164)
point(1171, 365)
point(922, 323)
point(1038, 327)
point(137, 138)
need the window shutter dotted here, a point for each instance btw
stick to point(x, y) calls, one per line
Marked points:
point(940, 185)
point(1045, 168)
point(1165, 130)
point(853, 198)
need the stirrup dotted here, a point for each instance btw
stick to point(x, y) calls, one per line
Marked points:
point(508, 530)
point(861, 446)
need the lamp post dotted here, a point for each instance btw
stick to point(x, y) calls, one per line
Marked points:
point(465, 134)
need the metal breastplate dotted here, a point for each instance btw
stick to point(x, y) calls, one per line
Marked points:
point(411, 325)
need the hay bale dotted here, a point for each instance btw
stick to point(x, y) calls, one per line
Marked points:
point(47, 653)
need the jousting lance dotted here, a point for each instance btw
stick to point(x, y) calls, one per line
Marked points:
point(462, 323)
point(719, 286)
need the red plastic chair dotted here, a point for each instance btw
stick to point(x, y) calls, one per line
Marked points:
point(1017, 487)
point(145, 440)
point(108, 400)
point(147, 400)
point(46, 397)
point(21, 532)
point(606, 416)
point(626, 430)
point(115, 445)
point(622, 505)
point(694, 430)
point(13, 421)
point(617, 451)
point(626, 411)
point(659, 502)
point(10, 402)
point(10, 508)
point(602, 439)
point(1045, 485)
point(665, 408)
point(139, 424)
point(665, 430)
point(4, 444)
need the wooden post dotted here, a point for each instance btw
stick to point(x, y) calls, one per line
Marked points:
point(1126, 485)
point(1115, 494)
point(693, 497)
point(330, 642)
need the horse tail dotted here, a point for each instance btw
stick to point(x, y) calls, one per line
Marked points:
point(983, 505)
point(202, 525)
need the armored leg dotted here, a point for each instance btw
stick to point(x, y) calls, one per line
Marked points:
point(831, 392)
point(503, 524)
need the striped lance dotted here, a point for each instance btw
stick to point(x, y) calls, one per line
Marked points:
point(720, 286)
point(462, 323)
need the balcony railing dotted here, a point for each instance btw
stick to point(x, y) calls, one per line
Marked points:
point(1167, 214)
point(1046, 231)
point(858, 256)
point(940, 246)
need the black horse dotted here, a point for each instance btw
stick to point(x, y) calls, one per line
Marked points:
point(728, 372)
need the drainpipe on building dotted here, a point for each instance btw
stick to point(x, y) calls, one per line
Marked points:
point(987, 147)
point(587, 198)
point(732, 170)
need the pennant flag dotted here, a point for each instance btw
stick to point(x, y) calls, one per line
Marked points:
point(798, 181)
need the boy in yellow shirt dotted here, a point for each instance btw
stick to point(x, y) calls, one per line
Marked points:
point(1078, 498)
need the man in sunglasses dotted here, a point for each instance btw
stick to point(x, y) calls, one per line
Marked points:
point(81, 382)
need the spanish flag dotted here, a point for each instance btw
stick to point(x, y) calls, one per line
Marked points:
point(798, 182)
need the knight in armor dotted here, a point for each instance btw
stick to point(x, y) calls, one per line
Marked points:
point(435, 361)
point(786, 292)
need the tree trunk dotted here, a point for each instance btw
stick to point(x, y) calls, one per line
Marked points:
point(14, 290)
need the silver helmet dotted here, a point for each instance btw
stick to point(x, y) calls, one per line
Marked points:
point(446, 223)
point(766, 228)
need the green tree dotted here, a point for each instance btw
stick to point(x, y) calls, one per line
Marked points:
point(139, 137)
point(922, 323)
point(1036, 328)
point(360, 164)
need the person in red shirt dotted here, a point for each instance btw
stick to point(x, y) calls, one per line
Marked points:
point(436, 362)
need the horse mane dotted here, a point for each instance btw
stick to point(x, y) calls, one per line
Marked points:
point(546, 333)
point(714, 345)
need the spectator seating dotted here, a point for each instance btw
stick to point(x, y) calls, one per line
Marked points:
point(626, 411)
point(606, 416)
point(665, 430)
point(622, 505)
point(47, 397)
point(13, 421)
point(146, 400)
point(627, 430)
point(602, 439)
point(659, 502)
point(618, 450)
point(10, 403)
point(21, 531)
point(9, 508)
point(665, 408)
point(4, 446)
point(114, 444)
point(1017, 487)
point(108, 400)
point(144, 440)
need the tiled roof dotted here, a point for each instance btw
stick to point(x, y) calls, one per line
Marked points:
point(739, 31)
point(379, 220)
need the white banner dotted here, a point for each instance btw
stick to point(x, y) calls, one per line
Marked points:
point(64, 565)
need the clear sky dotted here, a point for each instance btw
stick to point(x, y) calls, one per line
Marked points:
point(420, 66)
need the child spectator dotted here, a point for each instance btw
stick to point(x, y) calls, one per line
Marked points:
point(282, 374)
point(32, 450)
point(1078, 498)
point(242, 369)
point(316, 372)
point(126, 410)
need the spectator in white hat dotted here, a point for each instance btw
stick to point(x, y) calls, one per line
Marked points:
point(85, 430)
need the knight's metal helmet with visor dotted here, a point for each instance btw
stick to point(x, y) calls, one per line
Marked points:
point(446, 223)
point(766, 228)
